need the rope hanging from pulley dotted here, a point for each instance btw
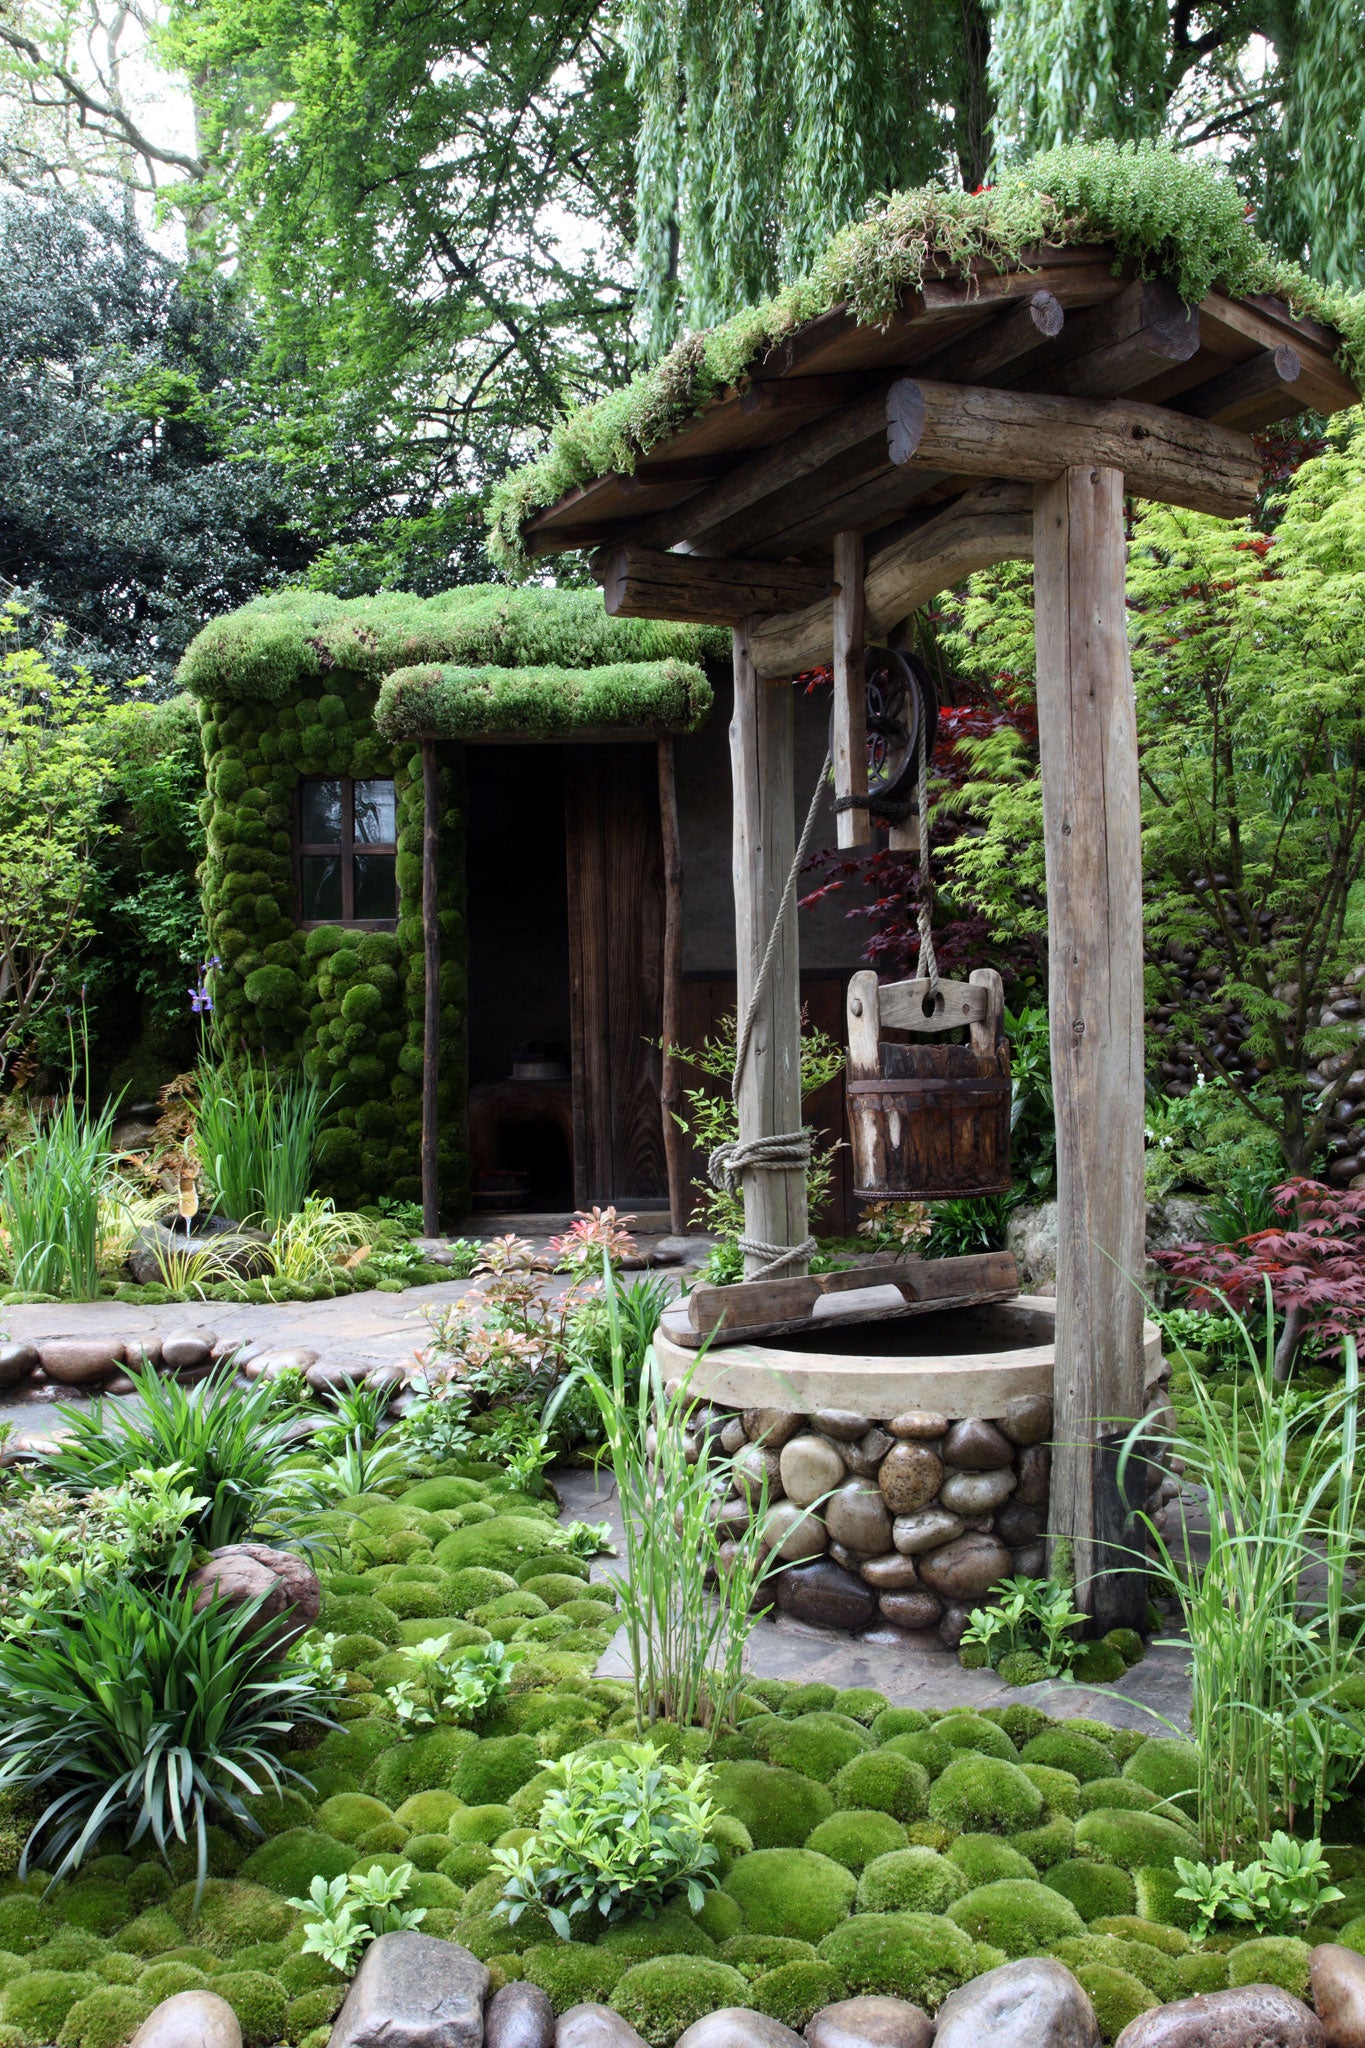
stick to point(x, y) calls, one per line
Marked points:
point(790, 1151)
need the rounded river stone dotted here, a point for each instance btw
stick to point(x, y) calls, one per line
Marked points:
point(976, 1493)
point(751, 1466)
point(738, 2026)
point(1027, 1419)
point(1337, 1978)
point(733, 1437)
point(81, 1361)
point(827, 1595)
point(793, 1532)
point(1016, 1524)
point(1032, 2004)
point(910, 1475)
point(927, 1529)
point(1254, 2016)
point(916, 1608)
point(772, 1426)
point(841, 1423)
point(977, 1447)
point(1030, 1562)
point(17, 1362)
point(856, 1517)
point(810, 1467)
point(967, 1569)
point(519, 2016)
point(953, 1624)
point(1035, 1473)
point(870, 2023)
point(891, 1572)
point(866, 1455)
point(921, 1423)
point(190, 2019)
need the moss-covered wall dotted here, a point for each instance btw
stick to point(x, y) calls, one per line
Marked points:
point(348, 1003)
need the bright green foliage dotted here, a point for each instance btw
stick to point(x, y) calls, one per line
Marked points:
point(884, 1781)
point(984, 1859)
point(900, 1955)
point(796, 1892)
point(541, 703)
point(354, 1910)
point(663, 1997)
point(1136, 1841)
point(984, 1795)
point(616, 1834)
point(572, 1972)
point(778, 1807)
point(1272, 1959)
point(1286, 1883)
point(1017, 1916)
point(818, 1744)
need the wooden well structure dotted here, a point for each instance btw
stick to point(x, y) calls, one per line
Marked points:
point(860, 470)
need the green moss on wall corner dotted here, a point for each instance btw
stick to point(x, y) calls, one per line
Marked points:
point(348, 1004)
point(543, 703)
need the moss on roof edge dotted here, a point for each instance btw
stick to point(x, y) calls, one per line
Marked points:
point(449, 702)
point(1167, 215)
point(289, 643)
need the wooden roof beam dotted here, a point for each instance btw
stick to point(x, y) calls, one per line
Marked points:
point(991, 523)
point(999, 344)
point(1253, 394)
point(703, 590)
point(1115, 347)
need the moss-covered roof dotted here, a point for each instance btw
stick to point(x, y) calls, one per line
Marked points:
point(283, 645)
point(1164, 214)
point(456, 703)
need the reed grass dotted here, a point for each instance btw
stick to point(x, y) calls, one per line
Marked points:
point(1272, 1619)
point(689, 1609)
point(54, 1191)
point(255, 1135)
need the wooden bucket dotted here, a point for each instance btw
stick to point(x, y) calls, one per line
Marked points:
point(934, 1125)
point(928, 1122)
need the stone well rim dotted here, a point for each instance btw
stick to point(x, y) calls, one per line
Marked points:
point(969, 1386)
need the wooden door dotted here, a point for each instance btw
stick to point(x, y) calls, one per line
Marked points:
point(616, 925)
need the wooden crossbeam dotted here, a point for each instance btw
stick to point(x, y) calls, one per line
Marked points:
point(646, 583)
point(971, 430)
point(1001, 343)
point(924, 1285)
point(1252, 395)
point(990, 523)
point(1115, 347)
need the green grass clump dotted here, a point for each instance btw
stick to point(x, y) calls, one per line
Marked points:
point(818, 1744)
point(778, 1807)
point(1018, 1916)
point(791, 1891)
point(854, 1836)
point(1096, 1890)
point(1137, 1841)
point(884, 1781)
point(661, 1998)
point(984, 1795)
point(793, 1993)
point(910, 1881)
point(151, 1934)
point(915, 1956)
point(1131, 1927)
point(358, 1614)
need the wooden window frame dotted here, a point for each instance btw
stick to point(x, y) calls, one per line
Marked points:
point(345, 849)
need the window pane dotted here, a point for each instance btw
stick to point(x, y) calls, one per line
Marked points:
point(321, 888)
point(321, 809)
point(376, 893)
point(376, 817)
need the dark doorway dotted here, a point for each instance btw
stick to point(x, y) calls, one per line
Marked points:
point(518, 952)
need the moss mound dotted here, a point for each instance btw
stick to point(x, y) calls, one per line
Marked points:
point(1096, 1890)
point(1137, 1841)
point(884, 1781)
point(347, 1816)
point(901, 1955)
point(38, 2003)
point(1048, 1844)
point(1201, 1973)
point(1157, 1901)
point(818, 1744)
point(794, 1992)
point(1117, 1996)
point(984, 1795)
point(292, 1860)
point(898, 1721)
point(573, 1972)
point(661, 1998)
point(1064, 1749)
point(1166, 1767)
point(1271, 1959)
point(778, 1807)
point(1120, 1794)
point(260, 2003)
point(854, 1836)
point(104, 2018)
point(974, 1731)
point(1152, 1969)
point(910, 1881)
point(1017, 1916)
point(794, 1892)
point(754, 1955)
point(497, 1545)
point(923, 1746)
point(427, 1763)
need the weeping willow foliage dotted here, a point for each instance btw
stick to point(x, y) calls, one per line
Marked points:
point(1327, 122)
point(1068, 68)
point(765, 127)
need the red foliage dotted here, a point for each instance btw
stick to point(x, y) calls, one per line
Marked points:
point(1315, 1263)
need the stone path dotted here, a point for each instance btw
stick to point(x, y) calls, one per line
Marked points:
point(913, 1669)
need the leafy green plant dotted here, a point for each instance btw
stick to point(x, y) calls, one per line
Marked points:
point(52, 1191)
point(617, 1834)
point(229, 1443)
point(56, 1549)
point(313, 1239)
point(354, 1910)
point(465, 1687)
point(1243, 1205)
point(687, 1631)
point(1271, 1622)
point(1286, 1883)
point(358, 1466)
point(313, 1655)
point(255, 1132)
point(1033, 1126)
point(136, 1711)
point(969, 1224)
point(1033, 1618)
point(586, 1539)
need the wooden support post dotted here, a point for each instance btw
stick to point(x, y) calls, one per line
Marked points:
point(764, 843)
point(1092, 835)
point(431, 1013)
point(670, 1078)
point(850, 689)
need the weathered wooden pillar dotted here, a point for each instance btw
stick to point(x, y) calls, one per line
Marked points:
point(1092, 828)
point(764, 843)
point(853, 827)
point(671, 1077)
point(431, 1010)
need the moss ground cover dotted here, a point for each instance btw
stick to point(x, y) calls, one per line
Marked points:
point(864, 1849)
